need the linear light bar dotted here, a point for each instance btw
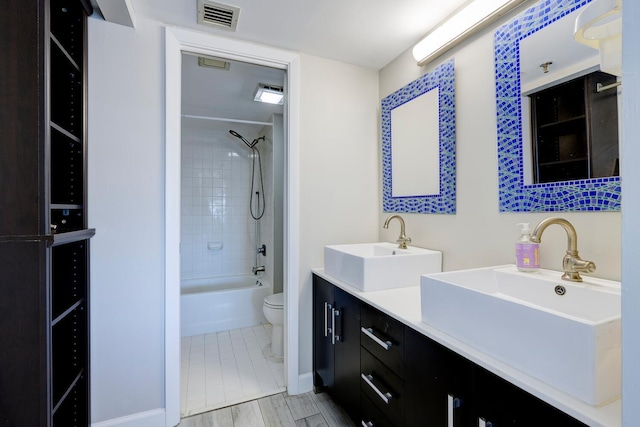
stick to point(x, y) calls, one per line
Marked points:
point(477, 15)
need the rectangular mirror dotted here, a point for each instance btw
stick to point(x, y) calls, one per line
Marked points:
point(418, 145)
point(553, 148)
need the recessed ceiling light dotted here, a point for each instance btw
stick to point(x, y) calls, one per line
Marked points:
point(269, 94)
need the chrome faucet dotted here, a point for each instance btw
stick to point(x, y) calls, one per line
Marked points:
point(403, 239)
point(257, 270)
point(572, 264)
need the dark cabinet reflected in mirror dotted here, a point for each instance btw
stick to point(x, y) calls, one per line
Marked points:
point(575, 130)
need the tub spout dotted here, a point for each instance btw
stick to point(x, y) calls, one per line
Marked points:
point(257, 270)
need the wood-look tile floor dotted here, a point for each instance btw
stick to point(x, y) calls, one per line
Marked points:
point(227, 368)
point(278, 410)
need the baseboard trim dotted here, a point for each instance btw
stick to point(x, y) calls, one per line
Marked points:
point(305, 382)
point(153, 418)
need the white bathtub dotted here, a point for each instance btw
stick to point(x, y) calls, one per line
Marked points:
point(221, 304)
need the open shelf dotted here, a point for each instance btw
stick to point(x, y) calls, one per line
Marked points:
point(574, 130)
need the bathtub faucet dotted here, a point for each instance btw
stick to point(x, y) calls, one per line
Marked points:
point(256, 270)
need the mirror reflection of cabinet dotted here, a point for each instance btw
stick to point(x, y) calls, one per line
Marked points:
point(575, 130)
point(517, 190)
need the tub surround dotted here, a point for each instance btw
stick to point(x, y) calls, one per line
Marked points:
point(403, 304)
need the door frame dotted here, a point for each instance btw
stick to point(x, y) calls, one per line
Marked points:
point(176, 41)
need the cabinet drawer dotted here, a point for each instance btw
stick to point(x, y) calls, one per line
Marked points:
point(371, 415)
point(383, 337)
point(382, 386)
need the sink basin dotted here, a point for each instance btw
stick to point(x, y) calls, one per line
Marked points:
point(568, 337)
point(378, 266)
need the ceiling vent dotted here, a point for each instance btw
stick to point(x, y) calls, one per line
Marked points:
point(209, 62)
point(218, 15)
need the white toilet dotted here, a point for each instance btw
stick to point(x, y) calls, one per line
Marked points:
point(273, 311)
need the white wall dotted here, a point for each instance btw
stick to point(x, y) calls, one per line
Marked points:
point(125, 202)
point(478, 234)
point(338, 163)
point(338, 200)
point(630, 215)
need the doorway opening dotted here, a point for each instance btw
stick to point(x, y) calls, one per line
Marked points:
point(231, 233)
point(177, 42)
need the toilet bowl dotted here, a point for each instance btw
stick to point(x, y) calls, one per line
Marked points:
point(273, 311)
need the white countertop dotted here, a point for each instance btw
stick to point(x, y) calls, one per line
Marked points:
point(403, 304)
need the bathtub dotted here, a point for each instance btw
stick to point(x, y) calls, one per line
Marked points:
point(222, 303)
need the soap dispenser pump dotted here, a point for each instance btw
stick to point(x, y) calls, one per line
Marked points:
point(527, 252)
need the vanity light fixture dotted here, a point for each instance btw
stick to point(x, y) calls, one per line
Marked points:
point(459, 26)
point(269, 93)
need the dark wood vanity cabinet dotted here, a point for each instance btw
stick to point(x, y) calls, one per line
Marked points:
point(439, 384)
point(336, 344)
point(44, 242)
point(444, 388)
point(389, 374)
point(500, 403)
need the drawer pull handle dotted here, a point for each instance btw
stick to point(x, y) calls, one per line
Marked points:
point(369, 332)
point(384, 396)
point(367, 423)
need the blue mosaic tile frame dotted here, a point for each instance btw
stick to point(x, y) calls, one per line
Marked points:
point(598, 194)
point(442, 78)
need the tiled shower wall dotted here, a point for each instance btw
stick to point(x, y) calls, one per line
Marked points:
point(217, 230)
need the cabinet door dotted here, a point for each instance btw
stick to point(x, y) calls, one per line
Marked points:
point(347, 353)
point(502, 404)
point(438, 384)
point(323, 349)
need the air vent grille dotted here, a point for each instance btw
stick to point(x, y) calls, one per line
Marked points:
point(218, 15)
point(208, 62)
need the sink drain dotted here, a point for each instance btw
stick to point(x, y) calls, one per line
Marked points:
point(560, 290)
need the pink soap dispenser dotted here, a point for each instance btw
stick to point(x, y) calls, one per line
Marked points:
point(527, 252)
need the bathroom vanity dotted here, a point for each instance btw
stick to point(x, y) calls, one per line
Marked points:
point(385, 367)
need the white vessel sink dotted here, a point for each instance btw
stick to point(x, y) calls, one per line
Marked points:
point(570, 341)
point(378, 266)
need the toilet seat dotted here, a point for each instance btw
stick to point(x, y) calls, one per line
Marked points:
point(275, 301)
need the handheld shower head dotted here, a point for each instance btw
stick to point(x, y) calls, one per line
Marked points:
point(237, 135)
point(249, 144)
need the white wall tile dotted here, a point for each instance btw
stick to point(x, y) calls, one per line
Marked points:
point(216, 186)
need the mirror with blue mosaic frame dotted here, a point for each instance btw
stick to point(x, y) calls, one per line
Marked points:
point(418, 145)
point(515, 193)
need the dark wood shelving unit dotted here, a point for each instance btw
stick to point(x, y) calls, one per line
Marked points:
point(44, 239)
point(575, 130)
